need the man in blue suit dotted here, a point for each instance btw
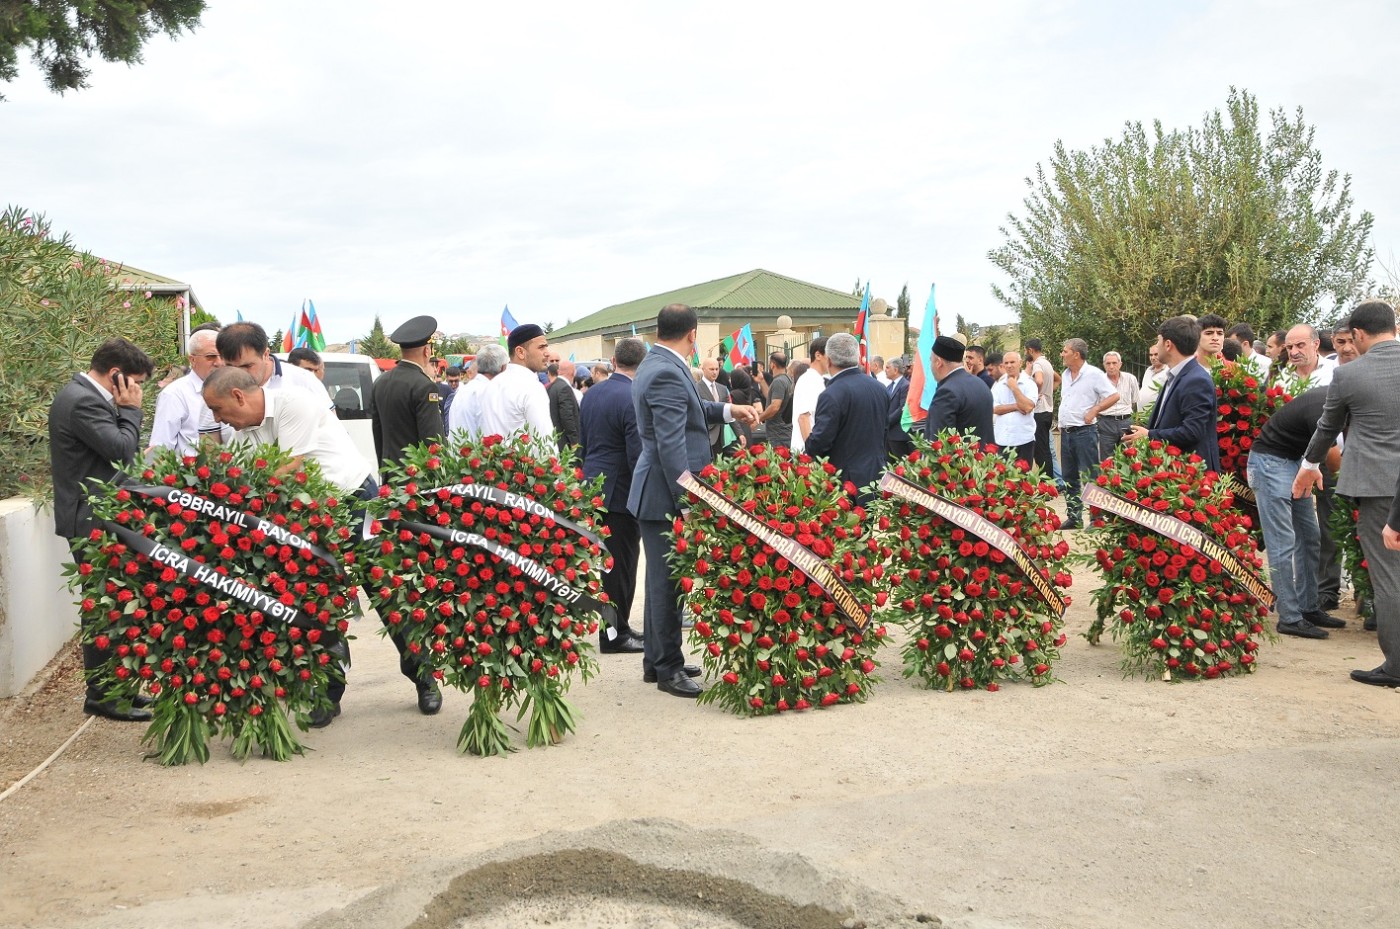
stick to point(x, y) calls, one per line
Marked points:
point(897, 441)
point(610, 446)
point(849, 422)
point(1185, 412)
point(962, 401)
point(673, 421)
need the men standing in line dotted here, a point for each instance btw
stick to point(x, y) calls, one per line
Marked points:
point(1043, 373)
point(1153, 378)
point(516, 398)
point(1364, 397)
point(563, 403)
point(897, 441)
point(961, 401)
point(1113, 421)
point(465, 415)
point(610, 446)
point(1185, 413)
point(1084, 394)
point(405, 408)
point(1291, 531)
point(805, 393)
point(779, 430)
point(1013, 405)
point(850, 417)
point(673, 422)
point(711, 388)
point(244, 346)
point(181, 417)
point(93, 421)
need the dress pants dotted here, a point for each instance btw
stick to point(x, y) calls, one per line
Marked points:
point(1385, 577)
point(1329, 578)
point(661, 610)
point(620, 584)
point(93, 657)
point(1043, 455)
point(1110, 429)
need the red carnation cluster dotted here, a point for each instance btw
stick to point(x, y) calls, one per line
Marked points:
point(1178, 612)
point(1243, 407)
point(974, 618)
point(227, 620)
point(771, 638)
point(489, 607)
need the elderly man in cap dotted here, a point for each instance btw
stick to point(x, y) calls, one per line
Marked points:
point(516, 399)
point(962, 401)
point(405, 405)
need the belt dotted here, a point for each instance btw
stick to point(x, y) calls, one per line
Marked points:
point(1074, 428)
point(1115, 416)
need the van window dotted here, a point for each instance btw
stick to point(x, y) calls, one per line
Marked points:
point(348, 384)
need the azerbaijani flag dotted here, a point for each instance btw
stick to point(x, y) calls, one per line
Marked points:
point(507, 323)
point(289, 335)
point(860, 329)
point(736, 349)
point(309, 328)
point(921, 380)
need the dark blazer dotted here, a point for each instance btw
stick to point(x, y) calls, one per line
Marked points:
point(563, 411)
point(894, 414)
point(610, 442)
point(848, 426)
point(673, 422)
point(86, 435)
point(962, 402)
point(1185, 414)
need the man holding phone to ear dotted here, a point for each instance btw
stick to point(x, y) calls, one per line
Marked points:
point(94, 421)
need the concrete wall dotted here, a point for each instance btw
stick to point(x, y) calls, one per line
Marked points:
point(37, 612)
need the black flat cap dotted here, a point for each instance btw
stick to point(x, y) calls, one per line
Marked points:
point(417, 331)
point(948, 348)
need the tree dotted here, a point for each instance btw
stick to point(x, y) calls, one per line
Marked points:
point(549, 326)
point(275, 342)
point(901, 303)
point(377, 344)
point(1216, 218)
point(60, 34)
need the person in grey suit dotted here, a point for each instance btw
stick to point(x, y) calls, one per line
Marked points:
point(95, 424)
point(673, 421)
point(1364, 397)
point(712, 389)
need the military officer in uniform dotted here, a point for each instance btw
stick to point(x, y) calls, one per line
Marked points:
point(405, 408)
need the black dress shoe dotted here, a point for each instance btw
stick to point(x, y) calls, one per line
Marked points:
point(1328, 603)
point(321, 717)
point(690, 670)
point(429, 697)
point(1319, 618)
point(1302, 629)
point(141, 701)
point(1377, 678)
point(1370, 624)
point(680, 685)
point(627, 643)
point(110, 709)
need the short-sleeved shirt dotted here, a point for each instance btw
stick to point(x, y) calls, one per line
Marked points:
point(1045, 403)
point(296, 422)
point(1080, 392)
point(1128, 396)
point(779, 432)
point(1015, 428)
point(1151, 385)
point(804, 400)
point(465, 413)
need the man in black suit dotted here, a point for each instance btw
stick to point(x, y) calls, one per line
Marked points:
point(962, 401)
point(1185, 412)
point(94, 421)
point(897, 441)
point(610, 446)
point(673, 421)
point(849, 422)
point(563, 405)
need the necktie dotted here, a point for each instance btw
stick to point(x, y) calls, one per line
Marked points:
point(714, 392)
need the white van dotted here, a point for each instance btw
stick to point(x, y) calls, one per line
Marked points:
point(348, 380)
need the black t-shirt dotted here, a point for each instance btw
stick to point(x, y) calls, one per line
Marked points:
point(1288, 431)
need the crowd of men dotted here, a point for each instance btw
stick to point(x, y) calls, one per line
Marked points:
point(650, 416)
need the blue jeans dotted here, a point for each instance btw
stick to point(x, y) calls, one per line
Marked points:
point(1079, 453)
point(1291, 534)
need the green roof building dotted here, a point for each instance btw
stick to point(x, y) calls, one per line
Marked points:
point(783, 312)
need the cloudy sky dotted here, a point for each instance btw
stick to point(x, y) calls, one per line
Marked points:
point(451, 158)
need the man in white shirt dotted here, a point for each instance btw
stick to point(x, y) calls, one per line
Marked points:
point(465, 413)
point(804, 395)
point(1013, 404)
point(1256, 361)
point(515, 399)
point(1084, 393)
point(882, 373)
point(1043, 373)
point(1309, 367)
point(181, 416)
point(1153, 378)
point(1114, 420)
point(244, 346)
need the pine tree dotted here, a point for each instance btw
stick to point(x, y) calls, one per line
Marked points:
point(377, 344)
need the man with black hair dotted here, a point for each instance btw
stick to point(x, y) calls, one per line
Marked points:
point(244, 346)
point(779, 430)
point(1212, 340)
point(1244, 334)
point(516, 399)
point(1364, 397)
point(805, 393)
point(95, 420)
point(975, 360)
point(1043, 373)
point(1185, 412)
point(307, 359)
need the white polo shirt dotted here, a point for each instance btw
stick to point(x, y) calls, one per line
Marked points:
point(465, 412)
point(182, 416)
point(804, 400)
point(1013, 429)
point(296, 422)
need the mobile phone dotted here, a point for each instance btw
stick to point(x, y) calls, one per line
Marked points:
point(119, 379)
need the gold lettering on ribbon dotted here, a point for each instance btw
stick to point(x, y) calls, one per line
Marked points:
point(1182, 533)
point(812, 565)
point(986, 530)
